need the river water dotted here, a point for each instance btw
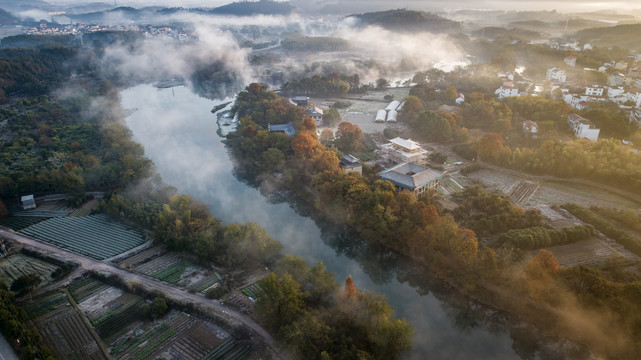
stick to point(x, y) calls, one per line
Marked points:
point(179, 134)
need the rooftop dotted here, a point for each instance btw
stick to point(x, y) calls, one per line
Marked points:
point(285, 128)
point(407, 144)
point(410, 176)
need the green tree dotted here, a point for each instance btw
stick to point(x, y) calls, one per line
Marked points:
point(382, 84)
point(25, 284)
point(279, 301)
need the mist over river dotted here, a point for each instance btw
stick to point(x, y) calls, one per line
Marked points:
point(179, 133)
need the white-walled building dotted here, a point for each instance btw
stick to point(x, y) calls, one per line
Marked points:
point(555, 74)
point(530, 127)
point(316, 114)
point(616, 79)
point(594, 90)
point(570, 60)
point(399, 150)
point(506, 90)
point(583, 128)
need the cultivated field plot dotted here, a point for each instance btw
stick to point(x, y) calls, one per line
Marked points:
point(179, 336)
point(20, 222)
point(67, 335)
point(95, 236)
point(18, 264)
point(592, 252)
point(449, 186)
point(522, 191)
point(172, 268)
point(143, 256)
point(86, 208)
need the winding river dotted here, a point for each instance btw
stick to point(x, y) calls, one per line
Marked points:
point(179, 134)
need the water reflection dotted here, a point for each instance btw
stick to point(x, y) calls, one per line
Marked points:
point(178, 132)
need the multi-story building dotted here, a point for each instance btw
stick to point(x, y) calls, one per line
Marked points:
point(583, 128)
point(401, 151)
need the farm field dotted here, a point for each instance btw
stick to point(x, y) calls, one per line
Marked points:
point(95, 236)
point(18, 264)
point(592, 252)
point(172, 268)
point(522, 191)
point(64, 331)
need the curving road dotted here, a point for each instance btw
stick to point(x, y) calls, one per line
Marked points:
point(88, 263)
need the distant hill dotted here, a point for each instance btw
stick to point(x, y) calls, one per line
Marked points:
point(407, 20)
point(246, 8)
point(494, 32)
point(625, 36)
point(7, 18)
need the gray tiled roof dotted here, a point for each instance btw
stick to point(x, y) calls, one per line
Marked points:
point(410, 176)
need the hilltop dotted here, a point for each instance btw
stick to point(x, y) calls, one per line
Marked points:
point(407, 20)
point(626, 36)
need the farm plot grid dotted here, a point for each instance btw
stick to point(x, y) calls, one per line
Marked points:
point(67, 335)
point(16, 265)
point(591, 252)
point(95, 236)
point(179, 336)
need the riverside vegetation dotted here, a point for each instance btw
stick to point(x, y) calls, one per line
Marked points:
point(562, 301)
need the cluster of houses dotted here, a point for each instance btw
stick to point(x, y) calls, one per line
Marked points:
point(507, 88)
point(390, 113)
point(149, 31)
point(581, 127)
point(314, 112)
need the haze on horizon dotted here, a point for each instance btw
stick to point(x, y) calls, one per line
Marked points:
point(573, 6)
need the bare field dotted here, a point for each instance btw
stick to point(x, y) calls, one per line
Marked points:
point(18, 264)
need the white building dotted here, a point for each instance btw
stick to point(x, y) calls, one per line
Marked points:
point(507, 90)
point(555, 74)
point(583, 128)
point(316, 114)
point(391, 116)
point(530, 127)
point(587, 46)
point(393, 105)
point(594, 90)
point(28, 202)
point(570, 60)
point(380, 116)
point(399, 150)
point(635, 117)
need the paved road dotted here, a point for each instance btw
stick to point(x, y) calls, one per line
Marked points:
point(6, 352)
point(91, 264)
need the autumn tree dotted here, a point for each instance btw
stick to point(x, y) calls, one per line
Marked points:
point(349, 290)
point(349, 137)
point(326, 136)
point(304, 145)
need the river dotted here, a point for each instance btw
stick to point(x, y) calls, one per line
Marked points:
point(179, 134)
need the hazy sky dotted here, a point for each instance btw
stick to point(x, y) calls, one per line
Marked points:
point(563, 5)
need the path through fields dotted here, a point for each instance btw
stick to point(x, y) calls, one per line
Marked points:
point(88, 263)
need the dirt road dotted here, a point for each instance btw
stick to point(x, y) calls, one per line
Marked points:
point(87, 263)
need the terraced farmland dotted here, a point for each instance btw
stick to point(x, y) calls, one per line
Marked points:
point(16, 265)
point(94, 236)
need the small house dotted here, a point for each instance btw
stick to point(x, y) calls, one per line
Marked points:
point(283, 128)
point(350, 163)
point(300, 100)
point(316, 114)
